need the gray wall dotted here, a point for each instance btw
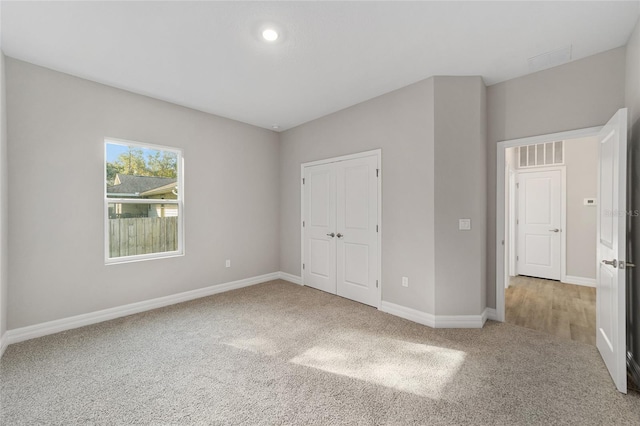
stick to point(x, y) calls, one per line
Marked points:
point(581, 160)
point(401, 123)
point(57, 124)
point(580, 94)
point(632, 101)
point(433, 141)
point(3, 200)
point(460, 192)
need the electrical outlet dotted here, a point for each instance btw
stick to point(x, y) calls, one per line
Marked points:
point(405, 281)
point(227, 263)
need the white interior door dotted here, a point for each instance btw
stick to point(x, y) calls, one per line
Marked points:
point(340, 227)
point(611, 241)
point(319, 227)
point(357, 239)
point(539, 224)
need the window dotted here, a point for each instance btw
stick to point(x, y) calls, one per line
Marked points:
point(142, 201)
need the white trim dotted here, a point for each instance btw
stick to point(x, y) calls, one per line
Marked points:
point(571, 134)
point(460, 321)
point(290, 277)
point(501, 271)
point(375, 152)
point(56, 326)
point(408, 313)
point(490, 314)
point(513, 214)
point(587, 282)
point(434, 321)
point(4, 342)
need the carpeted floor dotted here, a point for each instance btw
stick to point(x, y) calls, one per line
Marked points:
point(278, 353)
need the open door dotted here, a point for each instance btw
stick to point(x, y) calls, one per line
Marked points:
point(611, 241)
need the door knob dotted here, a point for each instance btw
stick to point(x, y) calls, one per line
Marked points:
point(554, 230)
point(613, 262)
point(331, 235)
point(631, 265)
point(339, 235)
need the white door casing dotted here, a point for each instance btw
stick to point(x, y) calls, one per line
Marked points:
point(540, 224)
point(611, 251)
point(340, 232)
point(502, 273)
point(511, 213)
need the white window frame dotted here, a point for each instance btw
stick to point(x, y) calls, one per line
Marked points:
point(178, 202)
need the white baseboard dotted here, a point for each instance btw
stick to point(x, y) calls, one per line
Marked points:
point(290, 277)
point(435, 321)
point(408, 313)
point(587, 282)
point(3, 344)
point(38, 330)
point(460, 321)
point(490, 314)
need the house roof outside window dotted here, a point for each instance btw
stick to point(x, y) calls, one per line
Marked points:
point(131, 186)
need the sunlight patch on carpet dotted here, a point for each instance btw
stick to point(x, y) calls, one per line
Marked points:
point(416, 368)
point(256, 345)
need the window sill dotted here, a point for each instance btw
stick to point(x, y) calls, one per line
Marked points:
point(142, 258)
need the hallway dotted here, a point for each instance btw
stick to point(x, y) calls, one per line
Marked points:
point(564, 310)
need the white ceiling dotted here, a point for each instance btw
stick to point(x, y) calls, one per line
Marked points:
point(331, 55)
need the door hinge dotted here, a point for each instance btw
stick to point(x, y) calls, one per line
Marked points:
point(518, 185)
point(377, 172)
point(517, 257)
point(303, 181)
point(377, 228)
point(376, 283)
point(303, 266)
point(303, 223)
point(517, 221)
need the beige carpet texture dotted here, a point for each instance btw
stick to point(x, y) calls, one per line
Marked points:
point(281, 354)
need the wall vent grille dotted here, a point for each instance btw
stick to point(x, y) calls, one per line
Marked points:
point(541, 154)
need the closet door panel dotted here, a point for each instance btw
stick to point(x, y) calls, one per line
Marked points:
point(320, 222)
point(356, 219)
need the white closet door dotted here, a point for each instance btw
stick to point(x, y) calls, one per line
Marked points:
point(320, 223)
point(357, 240)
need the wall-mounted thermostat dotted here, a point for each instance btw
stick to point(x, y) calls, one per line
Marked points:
point(464, 224)
point(590, 202)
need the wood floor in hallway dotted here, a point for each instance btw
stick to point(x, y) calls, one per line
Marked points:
point(564, 310)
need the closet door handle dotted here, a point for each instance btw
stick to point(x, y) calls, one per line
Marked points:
point(331, 235)
point(339, 235)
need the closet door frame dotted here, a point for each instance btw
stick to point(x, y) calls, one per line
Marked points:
point(373, 153)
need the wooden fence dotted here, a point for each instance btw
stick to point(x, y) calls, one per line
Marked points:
point(142, 235)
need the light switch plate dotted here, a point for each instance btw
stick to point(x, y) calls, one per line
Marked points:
point(464, 224)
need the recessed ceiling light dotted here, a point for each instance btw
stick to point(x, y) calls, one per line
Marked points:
point(270, 34)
